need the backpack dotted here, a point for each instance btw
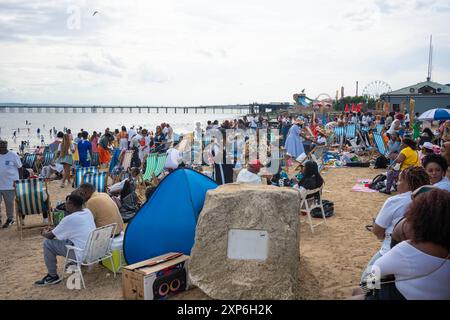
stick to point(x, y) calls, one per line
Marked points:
point(381, 162)
point(378, 182)
point(328, 208)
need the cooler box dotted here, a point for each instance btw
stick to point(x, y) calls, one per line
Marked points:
point(117, 254)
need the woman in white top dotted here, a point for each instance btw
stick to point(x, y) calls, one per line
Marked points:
point(65, 151)
point(421, 265)
point(436, 167)
point(394, 210)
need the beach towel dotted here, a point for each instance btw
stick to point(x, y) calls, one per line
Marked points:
point(362, 185)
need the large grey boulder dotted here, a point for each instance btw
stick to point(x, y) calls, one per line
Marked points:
point(246, 270)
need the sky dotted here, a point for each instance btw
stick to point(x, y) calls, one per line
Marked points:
point(211, 52)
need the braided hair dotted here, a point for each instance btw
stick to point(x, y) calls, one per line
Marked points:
point(415, 177)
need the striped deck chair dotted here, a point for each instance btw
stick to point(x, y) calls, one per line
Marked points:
point(380, 128)
point(28, 160)
point(126, 162)
point(350, 132)
point(78, 178)
point(114, 160)
point(30, 199)
point(95, 161)
point(47, 158)
point(98, 180)
point(339, 134)
point(151, 166)
point(160, 164)
point(381, 146)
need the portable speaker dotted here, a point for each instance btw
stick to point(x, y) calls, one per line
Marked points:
point(169, 283)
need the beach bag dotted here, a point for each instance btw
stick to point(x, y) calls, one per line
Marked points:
point(378, 182)
point(381, 162)
point(328, 208)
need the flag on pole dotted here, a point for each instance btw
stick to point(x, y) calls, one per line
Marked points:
point(347, 110)
point(353, 107)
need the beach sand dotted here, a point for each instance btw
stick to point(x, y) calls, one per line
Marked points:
point(332, 258)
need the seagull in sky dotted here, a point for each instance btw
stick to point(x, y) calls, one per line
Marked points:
point(95, 13)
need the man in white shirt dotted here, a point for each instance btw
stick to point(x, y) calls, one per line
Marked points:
point(174, 158)
point(131, 134)
point(73, 230)
point(395, 127)
point(250, 175)
point(10, 171)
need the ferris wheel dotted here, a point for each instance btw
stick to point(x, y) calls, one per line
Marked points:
point(376, 88)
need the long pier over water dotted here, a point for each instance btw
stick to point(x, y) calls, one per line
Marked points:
point(225, 109)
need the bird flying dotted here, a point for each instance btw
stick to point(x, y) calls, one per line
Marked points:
point(95, 13)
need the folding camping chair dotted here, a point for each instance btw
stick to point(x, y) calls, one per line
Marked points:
point(95, 161)
point(97, 249)
point(381, 146)
point(97, 179)
point(309, 203)
point(32, 198)
point(79, 175)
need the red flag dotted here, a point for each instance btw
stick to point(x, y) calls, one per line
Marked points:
point(347, 110)
point(359, 107)
point(353, 107)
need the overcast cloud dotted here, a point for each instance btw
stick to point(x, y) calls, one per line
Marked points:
point(200, 52)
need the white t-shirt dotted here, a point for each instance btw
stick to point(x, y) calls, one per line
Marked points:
point(444, 184)
point(405, 261)
point(407, 118)
point(392, 128)
point(131, 134)
point(246, 176)
point(9, 166)
point(173, 159)
point(76, 227)
point(165, 131)
point(392, 211)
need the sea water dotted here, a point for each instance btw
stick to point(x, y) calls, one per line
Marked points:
point(10, 122)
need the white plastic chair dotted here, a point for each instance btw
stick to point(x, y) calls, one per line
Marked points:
point(98, 248)
point(308, 204)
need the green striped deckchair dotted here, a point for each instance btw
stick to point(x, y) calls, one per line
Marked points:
point(98, 180)
point(79, 175)
point(151, 166)
point(160, 164)
point(30, 199)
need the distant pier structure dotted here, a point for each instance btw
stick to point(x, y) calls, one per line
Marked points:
point(253, 108)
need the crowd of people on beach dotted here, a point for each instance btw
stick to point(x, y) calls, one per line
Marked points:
point(413, 224)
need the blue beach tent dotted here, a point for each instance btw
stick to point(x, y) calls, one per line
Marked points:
point(167, 221)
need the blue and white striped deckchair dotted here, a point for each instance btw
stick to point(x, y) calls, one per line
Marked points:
point(98, 180)
point(28, 160)
point(380, 128)
point(79, 175)
point(114, 160)
point(47, 158)
point(381, 146)
point(95, 161)
point(31, 198)
point(339, 134)
point(350, 132)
